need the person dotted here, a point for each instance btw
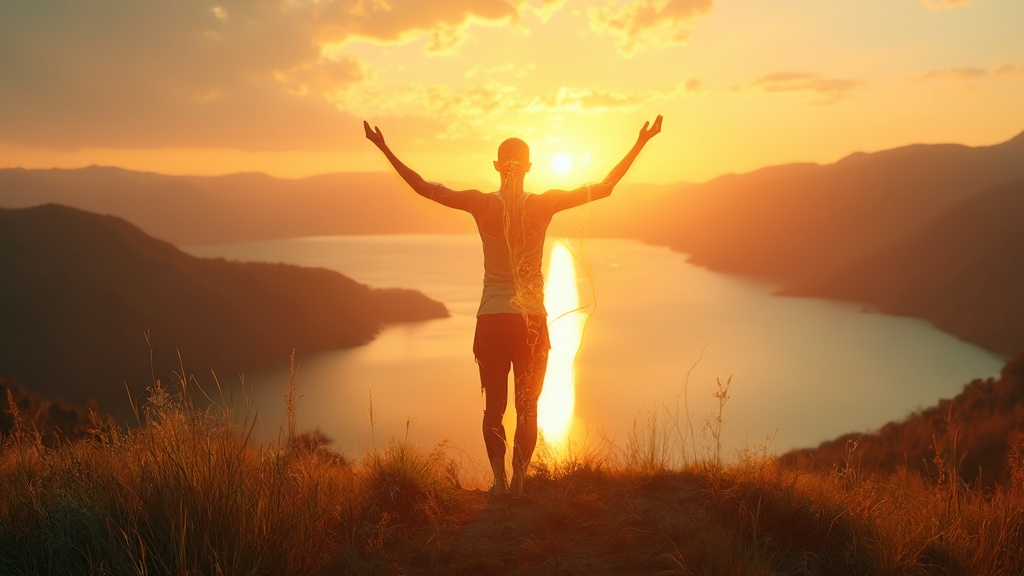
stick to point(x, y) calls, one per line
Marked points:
point(511, 328)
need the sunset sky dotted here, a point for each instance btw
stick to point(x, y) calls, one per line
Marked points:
point(281, 86)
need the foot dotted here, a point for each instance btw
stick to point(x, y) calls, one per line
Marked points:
point(516, 487)
point(500, 487)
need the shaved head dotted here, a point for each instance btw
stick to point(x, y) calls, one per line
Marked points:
point(514, 149)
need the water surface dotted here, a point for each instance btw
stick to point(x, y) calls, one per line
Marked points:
point(802, 370)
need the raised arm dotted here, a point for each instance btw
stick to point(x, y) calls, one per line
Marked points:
point(562, 199)
point(421, 186)
point(604, 188)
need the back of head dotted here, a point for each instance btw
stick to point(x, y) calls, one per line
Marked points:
point(513, 154)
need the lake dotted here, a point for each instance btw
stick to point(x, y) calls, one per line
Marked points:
point(802, 370)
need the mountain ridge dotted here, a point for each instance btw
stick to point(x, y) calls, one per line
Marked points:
point(789, 225)
point(84, 292)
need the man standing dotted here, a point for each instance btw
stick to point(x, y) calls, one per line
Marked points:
point(511, 329)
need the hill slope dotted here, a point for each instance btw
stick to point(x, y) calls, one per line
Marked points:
point(964, 271)
point(794, 225)
point(240, 207)
point(788, 222)
point(80, 291)
point(987, 416)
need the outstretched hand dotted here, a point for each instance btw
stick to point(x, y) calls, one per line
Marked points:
point(648, 133)
point(374, 135)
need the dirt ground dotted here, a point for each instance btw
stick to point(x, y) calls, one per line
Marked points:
point(611, 526)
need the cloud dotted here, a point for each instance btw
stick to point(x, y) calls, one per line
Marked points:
point(459, 111)
point(648, 22)
point(462, 112)
point(962, 74)
point(246, 74)
point(817, 88)
point(1009, 71)
point(945, 4)
point(593, 101)
point(967, 76)
point(443, 22)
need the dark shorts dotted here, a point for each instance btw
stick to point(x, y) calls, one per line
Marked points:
point(504, 339)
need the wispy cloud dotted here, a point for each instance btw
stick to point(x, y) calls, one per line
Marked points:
point(1009, 71)
point(955, 74)
point(816, 87)
point(969, 76)
point(442, 22)
point(593, 101)
point(945, 4)
point(459, 111)
point(644, 23)
point(252, 74)
point(471, 110)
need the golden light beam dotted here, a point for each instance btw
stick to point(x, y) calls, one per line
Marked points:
point(562, 300)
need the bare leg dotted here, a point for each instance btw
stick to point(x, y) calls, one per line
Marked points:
point(494, 378)
point(529, 379)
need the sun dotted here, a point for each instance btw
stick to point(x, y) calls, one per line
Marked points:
point(561, 163)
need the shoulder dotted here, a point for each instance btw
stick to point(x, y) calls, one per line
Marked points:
point(556, 200)
point(462, 199)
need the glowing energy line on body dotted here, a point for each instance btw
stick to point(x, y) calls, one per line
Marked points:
point(561, 298)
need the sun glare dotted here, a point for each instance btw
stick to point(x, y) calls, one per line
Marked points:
point(561, 298)
point(561, 163)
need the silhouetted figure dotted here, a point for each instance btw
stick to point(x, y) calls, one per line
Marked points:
point(511, 329)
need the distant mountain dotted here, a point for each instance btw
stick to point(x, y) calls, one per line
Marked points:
point(976, 432)
point(188, 210)
point(80, 291)
point(192, 210)
point(788, 223)
point(795, 225)
point(963, 270)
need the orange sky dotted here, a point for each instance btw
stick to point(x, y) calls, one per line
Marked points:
point(281, 86)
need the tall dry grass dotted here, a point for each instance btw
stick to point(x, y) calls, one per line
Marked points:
point(189, 490)
point(748, 514)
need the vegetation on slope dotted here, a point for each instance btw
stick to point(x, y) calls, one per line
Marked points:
point(191, 490)
point(798, 225)
point(964, 271)
point(981, 430)
point(83, 293)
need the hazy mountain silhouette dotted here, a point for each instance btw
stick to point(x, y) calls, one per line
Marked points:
point(188, 210)
point(963, 270)
point(79, 291)
point(916, 231)
point(794, 225)
point(786, 223)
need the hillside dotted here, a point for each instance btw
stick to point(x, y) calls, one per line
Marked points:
point(803, 227)
point(964, 271)
point(985, 421)
point(786, 223)
point(187, 210)
point(190, 491)
point(80, 291)
point(190, 210)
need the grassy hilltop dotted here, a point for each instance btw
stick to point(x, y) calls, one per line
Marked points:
point(195, 491)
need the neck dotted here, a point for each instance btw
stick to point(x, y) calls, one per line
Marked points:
point(512, 184)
